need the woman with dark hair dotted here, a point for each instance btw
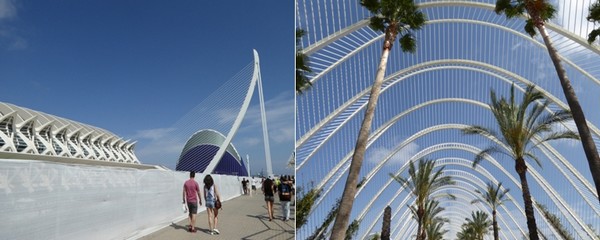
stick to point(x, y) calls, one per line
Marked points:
point(268, 188)
point(211, 196)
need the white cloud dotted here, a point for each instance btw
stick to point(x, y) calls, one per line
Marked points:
point(9, 39)
point(379, 153)
point(227, 115)
point(250, 141)
point(8, 9)
point(162, 151)
point(280, 118)
point(153, 134)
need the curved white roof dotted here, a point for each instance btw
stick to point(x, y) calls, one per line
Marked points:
point(28, 131)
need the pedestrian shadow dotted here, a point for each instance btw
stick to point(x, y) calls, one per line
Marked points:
point(178, 227)
point(276, 229)
point(185, 228)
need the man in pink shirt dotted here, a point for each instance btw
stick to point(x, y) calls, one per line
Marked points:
point(191, 193)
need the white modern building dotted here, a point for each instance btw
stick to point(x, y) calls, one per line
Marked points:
point(28, 133)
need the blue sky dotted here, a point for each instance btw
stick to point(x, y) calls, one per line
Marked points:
point(136, 67)
point(444, 39)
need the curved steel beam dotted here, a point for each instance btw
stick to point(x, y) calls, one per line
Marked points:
point(444, 162)
point(464, 180)
point(385, 126)
point(554, 197)
point(363, 23)
point(464, 195)
point(407, 73)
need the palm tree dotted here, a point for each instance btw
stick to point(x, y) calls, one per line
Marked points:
point(517, 130)
point(494, 197)
point(479, 225)
point(393, 17)
point(555, 222)
point(539, 12)
point(594, 17)
point(387, 220)
point(304, 204)
point(422, 182)
point(432, 223)
point(435, 232)
point(466, 233)
point(302, 81)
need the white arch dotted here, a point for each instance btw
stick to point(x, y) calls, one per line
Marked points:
point(385, 126)
point(255, 79)
point(406, 74)
point(479, 183)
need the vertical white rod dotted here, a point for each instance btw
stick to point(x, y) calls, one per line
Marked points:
point(248, 164)
point(263, 116)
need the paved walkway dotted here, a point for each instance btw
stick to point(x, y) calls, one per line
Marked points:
point(244, 217)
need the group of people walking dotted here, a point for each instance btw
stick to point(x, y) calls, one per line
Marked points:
point(284, 187)
point(192, 199)
point(246, 182)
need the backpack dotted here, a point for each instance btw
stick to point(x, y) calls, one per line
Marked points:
point(285, 193)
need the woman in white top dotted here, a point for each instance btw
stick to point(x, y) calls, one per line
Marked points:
point(211, 195)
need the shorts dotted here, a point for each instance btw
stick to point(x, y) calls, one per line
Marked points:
point(193, 208)
point(269, 199)
point(210, 202)
point(253, 187)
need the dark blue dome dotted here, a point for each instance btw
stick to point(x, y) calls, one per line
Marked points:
point(200, 150)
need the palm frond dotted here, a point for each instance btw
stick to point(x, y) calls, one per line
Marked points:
point(546, 121)
point(486, 152)
point(371, 5)
point(377, 23)
point(534, 158)
point(408, 43)
point(480, 131)
point(568, 134)
point(547, 12)
point(535, 113)
point(529, 27)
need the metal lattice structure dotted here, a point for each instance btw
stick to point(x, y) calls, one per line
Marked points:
point(463, 51)
point(29, 132)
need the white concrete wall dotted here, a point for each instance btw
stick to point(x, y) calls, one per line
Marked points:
point(42, 200)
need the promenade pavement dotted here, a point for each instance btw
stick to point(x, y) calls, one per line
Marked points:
point(244, 217)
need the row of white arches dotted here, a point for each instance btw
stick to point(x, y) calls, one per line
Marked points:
point(30, 132)
point(343, 50)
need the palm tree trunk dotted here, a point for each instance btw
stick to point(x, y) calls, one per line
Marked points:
point(387, 220)
point(589, 147)
point(495, 224)
point(531, 225)
point(420, 227)
point(342, 218)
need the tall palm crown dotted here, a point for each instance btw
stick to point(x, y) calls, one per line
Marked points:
point(466, 233)
point(393, 17)
point(594, 17)
point(435, 231)
point(432, 222)
point(518, 129)
point(479, 224)
point(538, 12)
point(302, 81)
point(494, 196)
point(422, 182)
